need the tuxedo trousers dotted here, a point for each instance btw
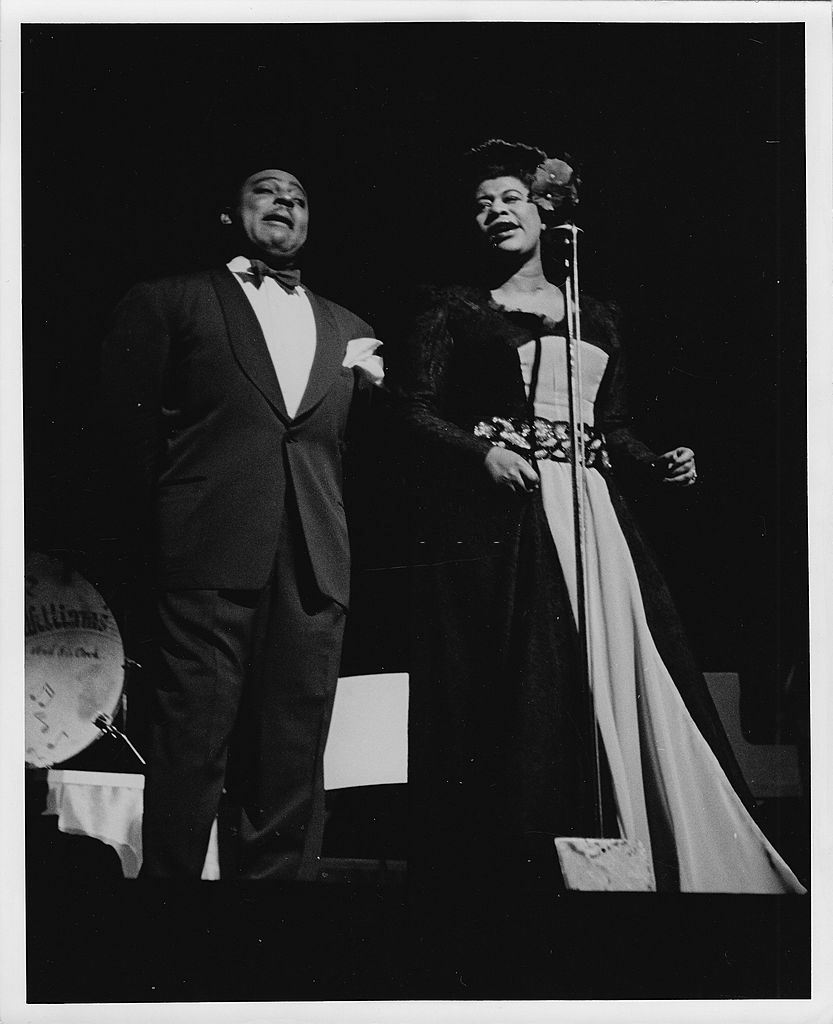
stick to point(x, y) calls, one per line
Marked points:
point(244, 690)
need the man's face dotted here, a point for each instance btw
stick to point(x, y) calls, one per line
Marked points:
point(272, 212)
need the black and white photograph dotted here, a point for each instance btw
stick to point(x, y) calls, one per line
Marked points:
point(414, 476)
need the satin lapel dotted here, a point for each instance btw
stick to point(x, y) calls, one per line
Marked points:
point(329, 355)
point(247, 341)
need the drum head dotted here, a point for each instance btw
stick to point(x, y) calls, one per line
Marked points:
point(74, 661)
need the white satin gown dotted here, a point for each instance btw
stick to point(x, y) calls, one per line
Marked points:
point(643, 722)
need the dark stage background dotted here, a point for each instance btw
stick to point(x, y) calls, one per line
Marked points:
point(691, 144)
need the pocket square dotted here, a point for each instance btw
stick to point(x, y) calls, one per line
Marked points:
point(361, 355)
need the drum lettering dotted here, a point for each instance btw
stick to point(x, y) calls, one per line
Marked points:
point(51, 617)
point(82, 652)
point(34, 623)
point(43, 651)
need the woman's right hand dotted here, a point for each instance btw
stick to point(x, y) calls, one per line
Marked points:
point(508, 469)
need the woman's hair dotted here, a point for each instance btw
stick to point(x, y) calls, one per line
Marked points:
point(497, 158)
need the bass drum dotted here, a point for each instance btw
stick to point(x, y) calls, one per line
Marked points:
point(74, 662)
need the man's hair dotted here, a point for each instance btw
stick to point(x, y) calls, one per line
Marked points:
point(233, 178)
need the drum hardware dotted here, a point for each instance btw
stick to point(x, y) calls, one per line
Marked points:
point(129, 665)
point(104, 723)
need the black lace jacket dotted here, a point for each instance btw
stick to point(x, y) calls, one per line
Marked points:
point(460, 365)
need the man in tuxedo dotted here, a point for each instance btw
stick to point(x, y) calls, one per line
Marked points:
point(231, 390)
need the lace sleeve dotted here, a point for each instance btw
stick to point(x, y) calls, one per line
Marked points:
point(425, 384)
point(613, 414)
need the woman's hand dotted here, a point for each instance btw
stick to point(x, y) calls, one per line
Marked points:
point(678, 467)
point(508, 469)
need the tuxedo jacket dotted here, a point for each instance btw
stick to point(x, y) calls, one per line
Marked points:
point(209, 451)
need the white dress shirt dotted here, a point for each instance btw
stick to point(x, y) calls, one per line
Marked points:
point(288, 325)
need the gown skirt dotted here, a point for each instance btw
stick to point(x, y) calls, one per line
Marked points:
point(668, 785)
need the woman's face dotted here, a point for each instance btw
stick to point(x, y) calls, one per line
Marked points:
point(506, 217)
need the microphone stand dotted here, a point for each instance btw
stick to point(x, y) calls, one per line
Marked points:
point(589, 863)
point(579, 470)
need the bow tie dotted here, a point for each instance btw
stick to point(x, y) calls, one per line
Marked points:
point(288, 277)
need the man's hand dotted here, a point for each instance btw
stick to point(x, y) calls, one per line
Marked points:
point(508, 469)
point(678, 467)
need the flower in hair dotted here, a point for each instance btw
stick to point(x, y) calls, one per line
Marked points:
point(554, 185)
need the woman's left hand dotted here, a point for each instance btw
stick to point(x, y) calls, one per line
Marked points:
point(678, 467)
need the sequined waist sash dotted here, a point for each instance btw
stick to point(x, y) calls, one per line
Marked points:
point(541, 439)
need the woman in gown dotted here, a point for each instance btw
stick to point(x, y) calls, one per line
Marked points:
point(502, 754)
